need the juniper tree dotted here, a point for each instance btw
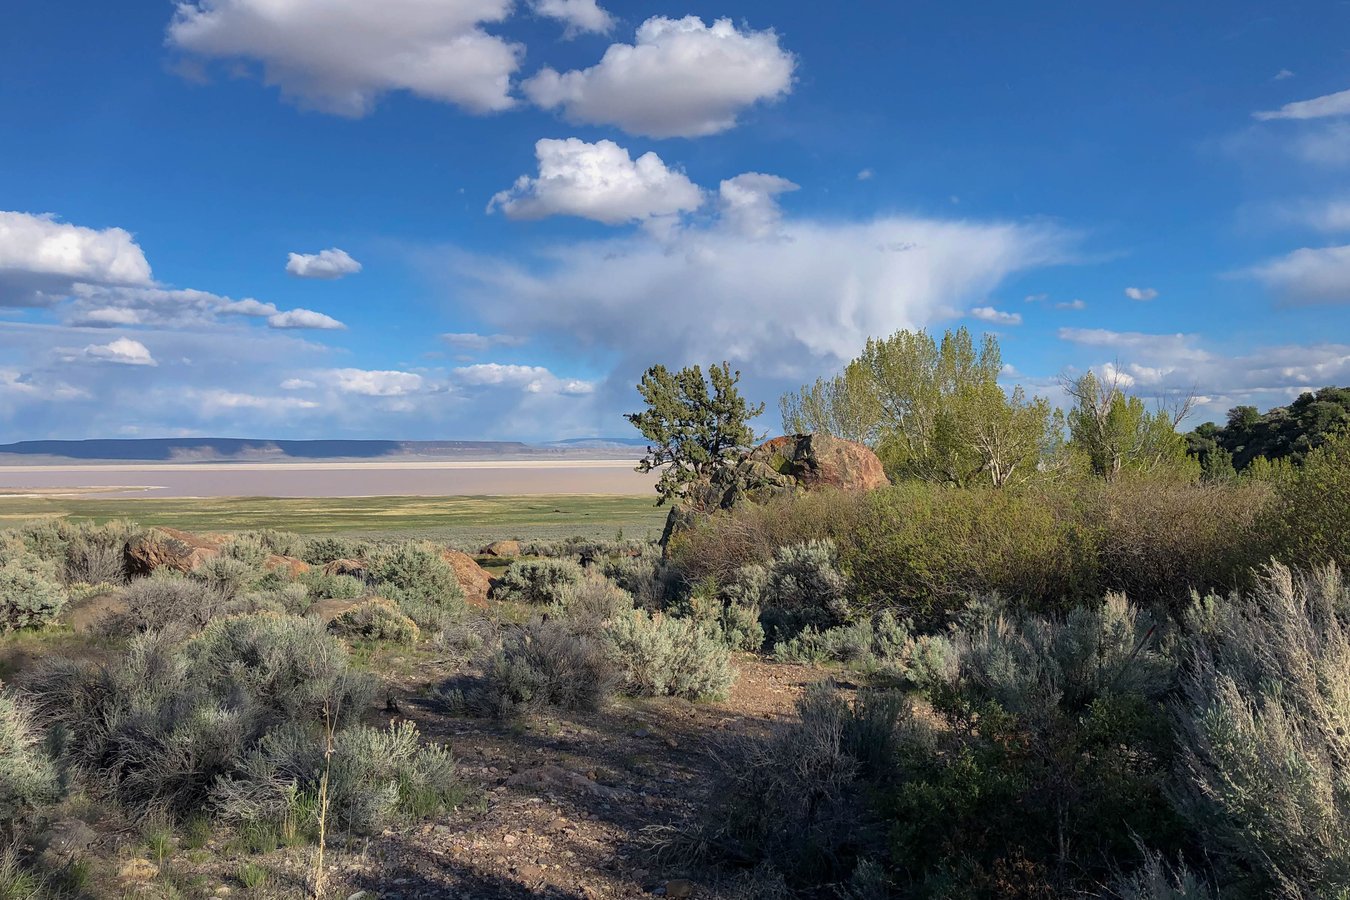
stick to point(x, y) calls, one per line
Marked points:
point(696, 427)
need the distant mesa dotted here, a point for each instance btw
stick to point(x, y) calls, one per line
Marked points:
point(188, 450)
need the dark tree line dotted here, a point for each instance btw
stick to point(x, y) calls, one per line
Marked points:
point(1281, 433)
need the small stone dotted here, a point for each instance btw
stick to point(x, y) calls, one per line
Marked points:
point(359, 895)
point(530, 874)
point(509, 839)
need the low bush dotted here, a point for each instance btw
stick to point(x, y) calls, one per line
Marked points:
point(30, 597)
point(27, 776)
point(1310, 518)
point(865, 645)
point(322, 586)
point(228, 576)
point(595, 599)
point(1264, 723)
point(285, 665)
point(160, 725)
point(164, 601)
point(546, 664)
point(376, 619)
point(377, 779)
point(728, 616)
point(319, 551)
point(800, 799)
point(539, 581)
point(666, 656)
point(416, 572)
point(650, 579)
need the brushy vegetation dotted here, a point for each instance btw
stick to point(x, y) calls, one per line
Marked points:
point(377, 619)
point(539, 581)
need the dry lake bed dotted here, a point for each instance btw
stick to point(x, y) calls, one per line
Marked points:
point(421, 478)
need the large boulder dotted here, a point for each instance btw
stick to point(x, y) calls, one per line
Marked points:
point(502, 549)
point(354, 567)
point(473, 579)
point(170, 548)
point(292, 567)
point(779, 467)
point(820, 461)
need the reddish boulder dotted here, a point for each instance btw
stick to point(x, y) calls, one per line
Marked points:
point(353, 567)
point(293, 567)
point(328, 610)
point(819, 460)
point(502, 549)
point(473, 580)
point(169, 548)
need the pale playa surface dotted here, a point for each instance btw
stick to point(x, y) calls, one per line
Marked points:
point(330, 479)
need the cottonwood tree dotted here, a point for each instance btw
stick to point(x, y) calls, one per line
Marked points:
point(933, 411)
point(697, 427)
point(1116, 432)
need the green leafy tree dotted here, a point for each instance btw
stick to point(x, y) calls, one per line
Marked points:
point(1281, 433)
point(1117, 433)
point(696, 427)
point(933, 410)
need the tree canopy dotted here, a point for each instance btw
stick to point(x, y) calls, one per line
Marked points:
point(932, 410)
point(696, 427)
point(1282, 432)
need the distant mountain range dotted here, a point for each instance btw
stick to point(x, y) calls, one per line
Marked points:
point(207, 449)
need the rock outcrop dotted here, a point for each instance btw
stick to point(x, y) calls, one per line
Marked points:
point(502, 549)
point(169, 548)
point(293, 567)
point(473, 579)
point(354, 567)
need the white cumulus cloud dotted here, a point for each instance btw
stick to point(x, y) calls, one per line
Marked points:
point(123, 351)
point(1330, 105)
point(579, 15)
point(42, 259)
point(530, 379)
point(598, 181)
point(326, 264)
point(339, 56)
point(995, 316)
point(304, 318)
point(1141, 294)
point(679, 78)
point(1309, 275)
point(375, 383)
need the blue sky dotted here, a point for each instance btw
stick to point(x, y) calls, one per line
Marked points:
point(484, 218)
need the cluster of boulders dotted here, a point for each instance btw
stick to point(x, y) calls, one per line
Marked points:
point(780, 467)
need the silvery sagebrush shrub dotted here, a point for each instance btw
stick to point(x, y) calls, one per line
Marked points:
point(30, 596)
point(594, 599)
point(1264, 722)
point(376, 619)
point(377, 778)
point(539, 581)
point(322, 586)
point(415, 571)
point(319, 551)
point(288, 665)
point(666, 656)
point(545, 663)
point(164, 601)
point(27, 777)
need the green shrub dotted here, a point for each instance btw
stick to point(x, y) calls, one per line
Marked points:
point(798, 799)
point(733, 620)
point(539, 581)
point(30, 597)
point(319, 551)
point(865, 645)
point(27, 776)
point(376, 619)
point(648, 577)
point(248, 548)
point(1310, 519)
point(377, 779)
point(416, 572)
point(1263, 725)
point(322, 586)
point(228, 576)
point(595, 599)
point(665, 656)
point(546, 664)
point(158, 726)
point(287, 665)
point(163, 602)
